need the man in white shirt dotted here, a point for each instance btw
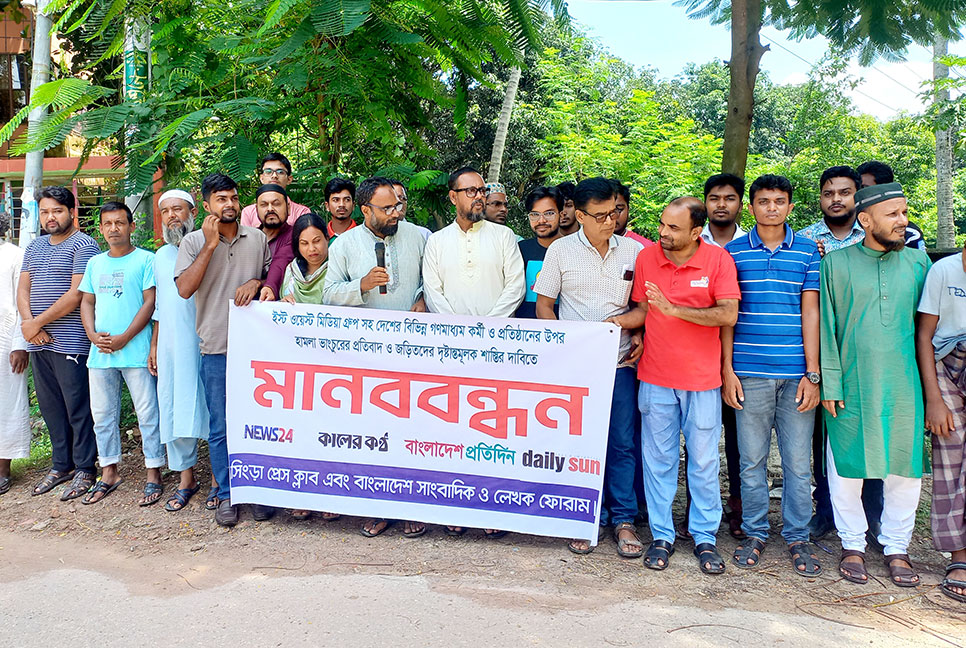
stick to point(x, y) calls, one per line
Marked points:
point(472, 266)
point(722, 198)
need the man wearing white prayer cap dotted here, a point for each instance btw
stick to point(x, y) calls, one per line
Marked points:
point(496, 209)
point(175, 356)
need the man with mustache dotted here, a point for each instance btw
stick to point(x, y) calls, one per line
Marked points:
point(48, 298)
point(339, 202)
point(497, 208)
point(568, 214)
point(175, 352)
point(543, 211)
point(275, 169)
point(472, 266)
point(271, 201)
point(871, 389)
point(223, 261)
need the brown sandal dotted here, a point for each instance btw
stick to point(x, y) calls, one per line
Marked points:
point(901, 576)
point(852, 571)
point(50, 480)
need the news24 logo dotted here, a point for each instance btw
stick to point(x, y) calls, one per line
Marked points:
point(269, 433)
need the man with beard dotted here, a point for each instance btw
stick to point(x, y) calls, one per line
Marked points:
point(543, 206)
point(568, 214)
point(722, 199)
point(403, 197)
point(622, 196)
point(175, 356)
point(223, 261)
point(873, 173)
point(48, 298)
point(353, 278)
point(271, 201)
point(275, 169)
point(870, 381)
point(497, 207)
point(472, 266)
point(14, 400)
point(339, 202)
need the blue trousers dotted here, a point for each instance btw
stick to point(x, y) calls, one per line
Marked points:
point(620, 500)
point(214, 377)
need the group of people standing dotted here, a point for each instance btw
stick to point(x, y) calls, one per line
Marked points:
point(840, 337)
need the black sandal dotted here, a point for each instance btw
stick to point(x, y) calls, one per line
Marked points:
point(152, 494)
point(375, 522)
point(803, 556)
point(180, 499)
point(750, 549)
point(104, 489)
point(659, 550)
point(82, 482)
point(852, 571)
point(716, 564)
point(948, 582)
point(212, 501)
point(50, 480)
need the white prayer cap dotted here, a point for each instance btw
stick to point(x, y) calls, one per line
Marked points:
point(177, 193)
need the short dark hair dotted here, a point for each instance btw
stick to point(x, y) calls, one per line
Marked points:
point(621, 189)
point(61, 194)
point(699, 213)
point(367, 188)
point(567, 190)
point(216, 182)
point(277, 157)
point(539, 193)
point(770, 181)
point(840, 172)
point(592, 189)
point(302, 223)
point(114, 205)
point(397, 183)
point(335, 185)
point(724, 180)
point(456, 175)
point(880, 171)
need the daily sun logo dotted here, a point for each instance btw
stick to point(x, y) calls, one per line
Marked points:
point(269, 433)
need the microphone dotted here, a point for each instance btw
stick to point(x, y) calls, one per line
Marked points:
point(381, 261)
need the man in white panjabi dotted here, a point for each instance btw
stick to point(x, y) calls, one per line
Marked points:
point(14, 412)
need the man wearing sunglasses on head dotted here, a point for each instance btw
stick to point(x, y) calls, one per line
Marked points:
point(277, 170)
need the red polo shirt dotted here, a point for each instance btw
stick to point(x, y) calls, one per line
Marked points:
point(679, 354)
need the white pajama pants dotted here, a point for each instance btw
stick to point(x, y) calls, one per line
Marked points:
point(901, 496)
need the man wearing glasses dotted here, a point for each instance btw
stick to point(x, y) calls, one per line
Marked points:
point(277, 170)
point(543, 211)
point(353, 278)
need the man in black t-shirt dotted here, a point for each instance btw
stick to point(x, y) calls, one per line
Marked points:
point(543, 209)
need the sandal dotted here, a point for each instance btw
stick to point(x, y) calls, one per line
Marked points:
point(948, 582)
point(4, 485)
point(330, 517)
point(82, 483)
point(152, 494)
point(804, 556)
point(102, 489)
point(180, 499)
point(455, 532)
point(494, 535)
point(411, 533)
point(50, 480)
point(751, 550)
point(708, 553)
point(623, 542)
point(376, 522)
point(212, 501)
point(301, 515)
point(580, 551)
point(853, 571)
point(901, 576)
point(659, 550)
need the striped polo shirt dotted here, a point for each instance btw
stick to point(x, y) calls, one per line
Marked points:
point(768, 334)
point(51, 268)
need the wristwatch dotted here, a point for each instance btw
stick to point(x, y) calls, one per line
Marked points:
point(813, 377)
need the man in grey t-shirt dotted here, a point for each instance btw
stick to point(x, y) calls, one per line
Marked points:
point(223, 261)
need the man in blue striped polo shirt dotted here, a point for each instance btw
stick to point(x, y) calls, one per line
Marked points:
point(770, 370)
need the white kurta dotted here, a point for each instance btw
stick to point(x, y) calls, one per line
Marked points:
point(476, 272)
point(181, 394)
point(14, 406)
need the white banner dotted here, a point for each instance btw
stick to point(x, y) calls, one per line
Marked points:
point(463, 421)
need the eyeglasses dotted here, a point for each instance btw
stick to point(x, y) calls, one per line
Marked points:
point(274, 172)
point(389, 210)
point(499, 204)
point(536, 217)
point(471, 192)
point(600, 218)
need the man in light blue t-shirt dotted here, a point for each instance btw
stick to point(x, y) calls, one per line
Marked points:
point(118, 289)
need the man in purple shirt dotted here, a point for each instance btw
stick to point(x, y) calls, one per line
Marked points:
point(271, 202)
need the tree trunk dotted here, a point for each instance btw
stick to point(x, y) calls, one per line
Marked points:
point(746, 53)
point(945, 226)
point(503, 125)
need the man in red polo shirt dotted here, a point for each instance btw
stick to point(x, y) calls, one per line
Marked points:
point(685, 290)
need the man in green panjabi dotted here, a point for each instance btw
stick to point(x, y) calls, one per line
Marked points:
point(870, 380)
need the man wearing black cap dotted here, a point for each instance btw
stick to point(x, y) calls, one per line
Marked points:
point(870, 381)
point(271, 203)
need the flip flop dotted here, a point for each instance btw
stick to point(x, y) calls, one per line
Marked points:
point(454, 532)
point(152, 490)
point(101, 487)
point(181, 496)
point(50, 480)
point(372, 534)
point(494, 535)
point(415, 534)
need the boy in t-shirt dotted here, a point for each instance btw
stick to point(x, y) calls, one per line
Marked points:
point(118, 290)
